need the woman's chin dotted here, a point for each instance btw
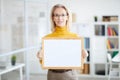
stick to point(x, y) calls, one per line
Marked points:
point(61, 25)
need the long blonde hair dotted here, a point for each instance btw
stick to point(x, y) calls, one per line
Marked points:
point(52, 14)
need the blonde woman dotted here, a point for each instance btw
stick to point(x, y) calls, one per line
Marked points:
point(60, 18)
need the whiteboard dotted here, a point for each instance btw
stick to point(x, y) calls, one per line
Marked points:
point(62, 53)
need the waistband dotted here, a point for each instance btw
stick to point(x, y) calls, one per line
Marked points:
point(60, 70)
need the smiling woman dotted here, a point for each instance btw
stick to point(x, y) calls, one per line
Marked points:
point(60, 17)
point(60, 29)
point(59, 14)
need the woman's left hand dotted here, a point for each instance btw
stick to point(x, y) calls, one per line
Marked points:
point(84, 53)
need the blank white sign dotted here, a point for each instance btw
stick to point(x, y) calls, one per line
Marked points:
point(61, 53)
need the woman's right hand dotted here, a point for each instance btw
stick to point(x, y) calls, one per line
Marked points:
point(39, 55)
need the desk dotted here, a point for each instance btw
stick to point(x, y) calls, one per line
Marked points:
point(11, 68)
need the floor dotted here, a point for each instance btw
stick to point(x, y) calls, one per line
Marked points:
point(15, 76)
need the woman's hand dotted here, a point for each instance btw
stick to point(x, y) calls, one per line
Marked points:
point(39, 54)
point(84, 53)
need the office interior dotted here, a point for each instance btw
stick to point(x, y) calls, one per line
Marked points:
point(23, 23)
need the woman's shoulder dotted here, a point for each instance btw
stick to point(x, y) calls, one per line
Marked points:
point(48, 35)
point(74, 34)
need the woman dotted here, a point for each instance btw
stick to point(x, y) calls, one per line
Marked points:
point(60, 29)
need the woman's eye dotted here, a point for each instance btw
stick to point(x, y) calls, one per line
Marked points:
point(63, 15)
point(57, 15)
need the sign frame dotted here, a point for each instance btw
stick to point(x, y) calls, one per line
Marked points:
point(72, 41)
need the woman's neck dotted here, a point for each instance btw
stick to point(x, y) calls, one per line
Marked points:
point(61, 28)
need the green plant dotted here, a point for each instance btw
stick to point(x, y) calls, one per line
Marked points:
point(95, 18)
point(13, 59)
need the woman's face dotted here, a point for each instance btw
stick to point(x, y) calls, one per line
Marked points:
point(60, 17)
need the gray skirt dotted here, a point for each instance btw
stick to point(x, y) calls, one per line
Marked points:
point(69, 75)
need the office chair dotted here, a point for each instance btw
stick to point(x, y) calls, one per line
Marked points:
point(116, 59)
